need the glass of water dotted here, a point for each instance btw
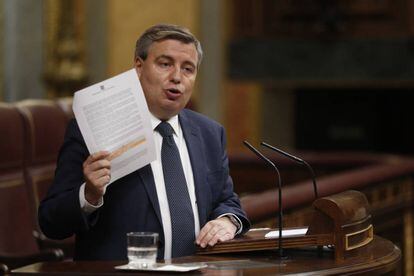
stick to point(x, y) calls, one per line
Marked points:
point(142, 249)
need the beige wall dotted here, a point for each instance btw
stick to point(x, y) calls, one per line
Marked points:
point(127, 19)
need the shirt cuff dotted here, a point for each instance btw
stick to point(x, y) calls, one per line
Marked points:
point(235, 220)
point(85, 205)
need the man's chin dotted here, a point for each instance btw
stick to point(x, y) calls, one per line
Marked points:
point(166, 109)
point(167, 113)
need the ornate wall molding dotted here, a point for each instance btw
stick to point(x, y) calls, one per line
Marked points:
point(65, 70)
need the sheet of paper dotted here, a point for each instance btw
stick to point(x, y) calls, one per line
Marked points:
point(163, 267)
point(287, 233)
point(113, 115)
point(178, 268)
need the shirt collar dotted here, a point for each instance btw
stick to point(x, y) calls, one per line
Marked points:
point(173, 121)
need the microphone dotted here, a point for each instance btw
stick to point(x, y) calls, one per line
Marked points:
point(264, 158)
point(298, 160)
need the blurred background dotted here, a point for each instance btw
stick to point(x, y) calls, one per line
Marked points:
point(332, 80)
point(301, 74)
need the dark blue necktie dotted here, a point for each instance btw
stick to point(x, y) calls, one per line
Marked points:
point(182, 217)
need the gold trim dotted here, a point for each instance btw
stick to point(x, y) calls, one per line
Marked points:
point(408, 242)
point(356, 223)
point(370, 231)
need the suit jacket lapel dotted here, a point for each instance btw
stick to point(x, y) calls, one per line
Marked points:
point(148, 179)
point(192, 137)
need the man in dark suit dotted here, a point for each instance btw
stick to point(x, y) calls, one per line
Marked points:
point(203, 210)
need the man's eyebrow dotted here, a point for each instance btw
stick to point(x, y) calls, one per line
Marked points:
point(170, 58)
point(164, 56)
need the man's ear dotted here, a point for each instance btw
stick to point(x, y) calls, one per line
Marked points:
point(138, 65)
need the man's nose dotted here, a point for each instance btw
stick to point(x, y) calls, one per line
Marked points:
point(176, 75)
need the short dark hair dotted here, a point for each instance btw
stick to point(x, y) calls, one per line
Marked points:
point(162, 32)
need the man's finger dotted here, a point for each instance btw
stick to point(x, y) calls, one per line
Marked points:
point(99, 164)
point(209, 232)
point(226, 237)
point(96, 156)
point(215, 238)
point(103, 181)
point(204, 231)
point(96, 175)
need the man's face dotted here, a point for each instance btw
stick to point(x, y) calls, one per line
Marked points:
point(167, 76)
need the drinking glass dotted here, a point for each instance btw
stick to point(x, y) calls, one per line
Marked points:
point(142, 249)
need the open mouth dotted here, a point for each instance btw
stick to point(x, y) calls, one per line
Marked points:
point(174, 91)
point(173, 94)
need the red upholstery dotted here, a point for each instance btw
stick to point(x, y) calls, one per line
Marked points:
point(16, 218)
point(44, 126)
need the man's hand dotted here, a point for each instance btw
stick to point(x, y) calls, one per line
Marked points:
point(221, 229)
point(97, 173)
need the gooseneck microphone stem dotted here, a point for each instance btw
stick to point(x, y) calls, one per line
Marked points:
point(298, 160)
point(280, 219)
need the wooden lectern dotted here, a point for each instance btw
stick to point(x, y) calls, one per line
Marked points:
point(342, 220)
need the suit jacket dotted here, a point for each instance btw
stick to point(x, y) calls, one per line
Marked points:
point(131, 203)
